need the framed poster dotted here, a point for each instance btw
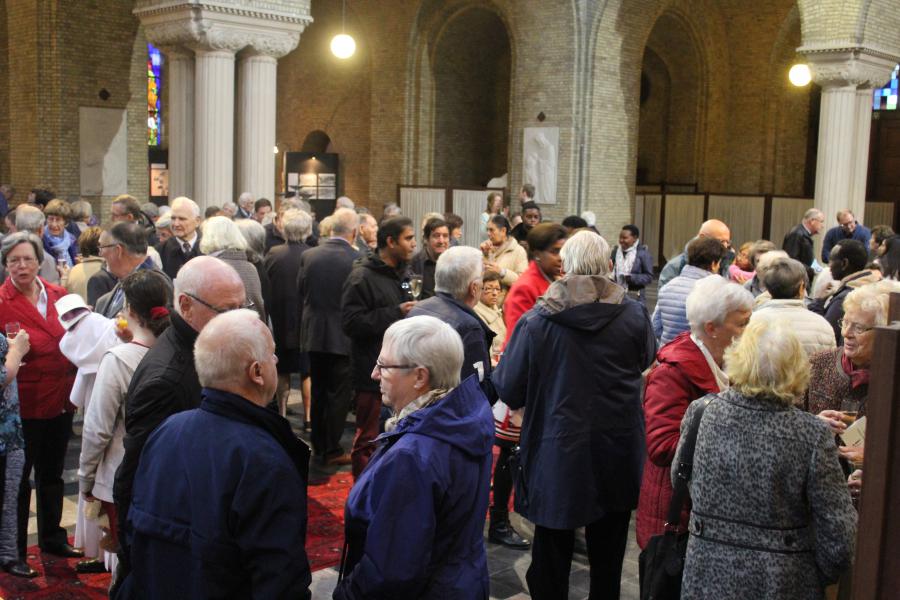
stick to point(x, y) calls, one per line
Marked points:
point(314, 176)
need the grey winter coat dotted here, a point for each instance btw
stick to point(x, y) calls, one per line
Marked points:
point(771, 515)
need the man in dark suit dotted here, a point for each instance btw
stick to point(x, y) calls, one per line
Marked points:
point(798, 243)
point(185, 243)
point(323, 271)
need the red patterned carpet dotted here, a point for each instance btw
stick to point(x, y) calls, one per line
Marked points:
point(59, 581)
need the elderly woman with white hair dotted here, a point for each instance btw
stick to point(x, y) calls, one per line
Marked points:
point(415, 517)
point(771, 515)
point(255, 236)
point(223, 240)
point(283, 267)
point(687, 368)
point(574, 362)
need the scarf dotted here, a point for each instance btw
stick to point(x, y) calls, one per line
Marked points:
point(721, 378)
point(59, 245)
point(423, 401)
point(625, 262)
point(858, 377)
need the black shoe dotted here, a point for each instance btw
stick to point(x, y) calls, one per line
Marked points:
point(20, 568)
point(506, 535)
point(91, 565)
point(64, 550)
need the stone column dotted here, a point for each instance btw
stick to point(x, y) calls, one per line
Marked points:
point(213, 127)
point(256, 124)
point(845, 74)
point(180, 131)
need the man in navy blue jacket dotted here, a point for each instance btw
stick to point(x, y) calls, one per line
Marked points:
point(847, 229)
point(219, 503)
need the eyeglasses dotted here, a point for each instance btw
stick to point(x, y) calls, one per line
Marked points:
point(216, 309)
point(102, 246)
point(24, 260)
point(382, 367)
point(854, 328)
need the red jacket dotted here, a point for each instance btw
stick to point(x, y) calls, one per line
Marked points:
point(45, 381)
point(681, 376)
point(530, 286)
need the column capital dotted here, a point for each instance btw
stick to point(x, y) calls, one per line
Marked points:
point(271, 28)
point(848, 66)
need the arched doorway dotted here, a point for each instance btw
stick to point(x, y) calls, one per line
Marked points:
point(471, 62)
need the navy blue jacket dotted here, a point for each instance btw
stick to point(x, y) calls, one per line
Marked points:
point(476, 336)
point(414, 520)
point(219, 506)
point(836, 234)
point(574, 361)
point(641, 271)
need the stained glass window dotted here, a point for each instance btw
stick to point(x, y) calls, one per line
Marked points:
point(154, 82)
point(886, 97)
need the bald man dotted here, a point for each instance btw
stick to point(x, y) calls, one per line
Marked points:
point(166, 380)
point(244, 491)
point(714, 229)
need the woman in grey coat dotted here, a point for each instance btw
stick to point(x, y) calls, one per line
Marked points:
point(771, 514)
point(222, 238)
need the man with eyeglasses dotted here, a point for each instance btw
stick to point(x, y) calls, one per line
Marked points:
point(124, 248)
point(166, 380)
point(848, 228)
point(714, 229)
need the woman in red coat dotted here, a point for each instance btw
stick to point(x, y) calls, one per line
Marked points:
point(688, 368)
point(45, 381)
point(544, 242)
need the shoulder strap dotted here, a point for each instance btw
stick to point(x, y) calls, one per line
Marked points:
point(685, 465)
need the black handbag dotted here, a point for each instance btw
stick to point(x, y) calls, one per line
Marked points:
point(661, 563)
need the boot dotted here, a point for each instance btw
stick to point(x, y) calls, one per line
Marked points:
point(502, 532)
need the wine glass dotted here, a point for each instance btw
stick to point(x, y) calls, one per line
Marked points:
point(849, 411)
point(415, 287)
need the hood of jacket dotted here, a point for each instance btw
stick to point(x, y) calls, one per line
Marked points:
point(861, 278)
point(462, 419)
point(373, 261)
point(585, 302)
point(684, 354)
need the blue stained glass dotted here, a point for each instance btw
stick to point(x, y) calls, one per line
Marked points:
point(154, 84)
point(886, 98)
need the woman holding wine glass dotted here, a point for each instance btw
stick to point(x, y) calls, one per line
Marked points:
point(839, 378)
point(44, 384)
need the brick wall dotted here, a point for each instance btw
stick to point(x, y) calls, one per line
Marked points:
point(4, 96)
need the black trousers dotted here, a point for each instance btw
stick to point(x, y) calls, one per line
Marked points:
point(45, 451)
point(551, 558)
point(503, 483)
point(331, 395)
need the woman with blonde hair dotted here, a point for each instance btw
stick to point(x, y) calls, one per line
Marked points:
point(771, 514)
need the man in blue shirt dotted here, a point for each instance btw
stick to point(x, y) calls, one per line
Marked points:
point(847, 229)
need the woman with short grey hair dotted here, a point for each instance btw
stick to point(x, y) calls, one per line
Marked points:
point(427, 485)
point(222, 238)
point(771, 515)
point(687, 368)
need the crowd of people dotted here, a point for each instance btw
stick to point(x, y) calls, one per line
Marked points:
point(179, 336)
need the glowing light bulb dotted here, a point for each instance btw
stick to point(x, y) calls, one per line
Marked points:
point(343, 46)
point(800, 75)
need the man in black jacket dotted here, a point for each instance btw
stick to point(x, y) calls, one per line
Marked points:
point(323, 271)
point(185, 243)
point(798, 243)
point(165, 381)
point(375, 295)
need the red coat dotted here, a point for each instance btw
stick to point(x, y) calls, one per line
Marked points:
point(681, 376)
point(45, 381)
point(530, 286)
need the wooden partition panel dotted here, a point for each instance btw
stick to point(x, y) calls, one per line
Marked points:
point(742, 214)
point(650, 225)
point(879, 213)
point(683, 216)
point(786, 213)
point(415, 202)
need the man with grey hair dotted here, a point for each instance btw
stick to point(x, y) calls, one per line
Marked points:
point(785, 281)
point(367, 240)
point(165, 381)
point(229, 209)
point(185, 242)
point(344, 202)
point(798, 243)
point(245, 206)
point(31, 219)
point(323, 271)
point(275, 229)
point(245, 490)
point(582, 443)
point(124, 248)
point(457, 287)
